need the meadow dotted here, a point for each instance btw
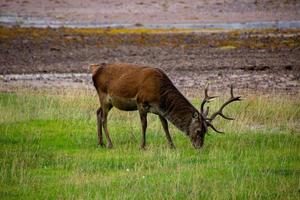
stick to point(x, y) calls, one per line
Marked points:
point(48, 150)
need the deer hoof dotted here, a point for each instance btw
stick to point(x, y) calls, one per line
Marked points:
point(101, 144)
point(109, 145)
point(142, 147)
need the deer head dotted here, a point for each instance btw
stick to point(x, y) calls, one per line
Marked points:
point(201, 122)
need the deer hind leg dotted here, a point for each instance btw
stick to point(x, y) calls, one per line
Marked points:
point(105, 111)
point(164, 123)
point(99, 126)
point(143, 116)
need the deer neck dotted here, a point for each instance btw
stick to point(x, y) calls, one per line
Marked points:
point(181, 121)
point(177, 109)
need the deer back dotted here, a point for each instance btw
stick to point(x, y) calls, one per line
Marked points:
point(128, 81)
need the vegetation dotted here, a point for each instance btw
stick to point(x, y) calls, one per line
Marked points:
point(49, 151)
point(188, 38)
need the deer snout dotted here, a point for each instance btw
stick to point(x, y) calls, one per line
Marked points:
point(198, 144)
point(198, 139)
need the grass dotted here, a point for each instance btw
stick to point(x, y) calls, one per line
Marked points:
point(188, 38)
point(49, 151)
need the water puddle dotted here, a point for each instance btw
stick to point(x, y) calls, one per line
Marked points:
point(38, 22)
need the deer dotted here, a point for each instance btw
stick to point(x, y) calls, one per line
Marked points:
point(131, 87)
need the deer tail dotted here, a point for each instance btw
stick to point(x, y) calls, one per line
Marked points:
point(95, 67)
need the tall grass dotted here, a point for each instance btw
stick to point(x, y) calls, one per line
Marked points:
point(49, 151)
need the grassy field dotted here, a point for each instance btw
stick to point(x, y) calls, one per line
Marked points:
point(48, 150)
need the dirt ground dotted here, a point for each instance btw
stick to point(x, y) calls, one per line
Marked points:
point(154, 11)
point(256, 61)
point(266, 60)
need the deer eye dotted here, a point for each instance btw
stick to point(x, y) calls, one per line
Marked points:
point(195, 115)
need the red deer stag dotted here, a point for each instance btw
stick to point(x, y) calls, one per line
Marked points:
point(149, 90)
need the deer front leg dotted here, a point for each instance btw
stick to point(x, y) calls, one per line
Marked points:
point(99, 126)
point(164, 123)
point(105, 111)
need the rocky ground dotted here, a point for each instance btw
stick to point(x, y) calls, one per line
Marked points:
point(265, 60)
point(253, 61)
point(153, 11)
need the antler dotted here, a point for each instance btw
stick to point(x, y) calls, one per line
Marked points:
point(206, 100)
point(213, 128)
point(220, 111)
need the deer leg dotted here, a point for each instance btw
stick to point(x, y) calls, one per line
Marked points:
point(105, 111)
point(99, 126)
point(164, 123)
point(143, 116)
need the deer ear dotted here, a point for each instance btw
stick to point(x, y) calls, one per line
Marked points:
point(195, 115)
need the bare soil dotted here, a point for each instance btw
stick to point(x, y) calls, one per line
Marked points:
point(255, 61)
point(154, 11)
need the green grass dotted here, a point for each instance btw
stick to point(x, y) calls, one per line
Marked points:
point(48, 150)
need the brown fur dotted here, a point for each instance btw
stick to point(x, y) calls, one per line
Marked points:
point(148, 90)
